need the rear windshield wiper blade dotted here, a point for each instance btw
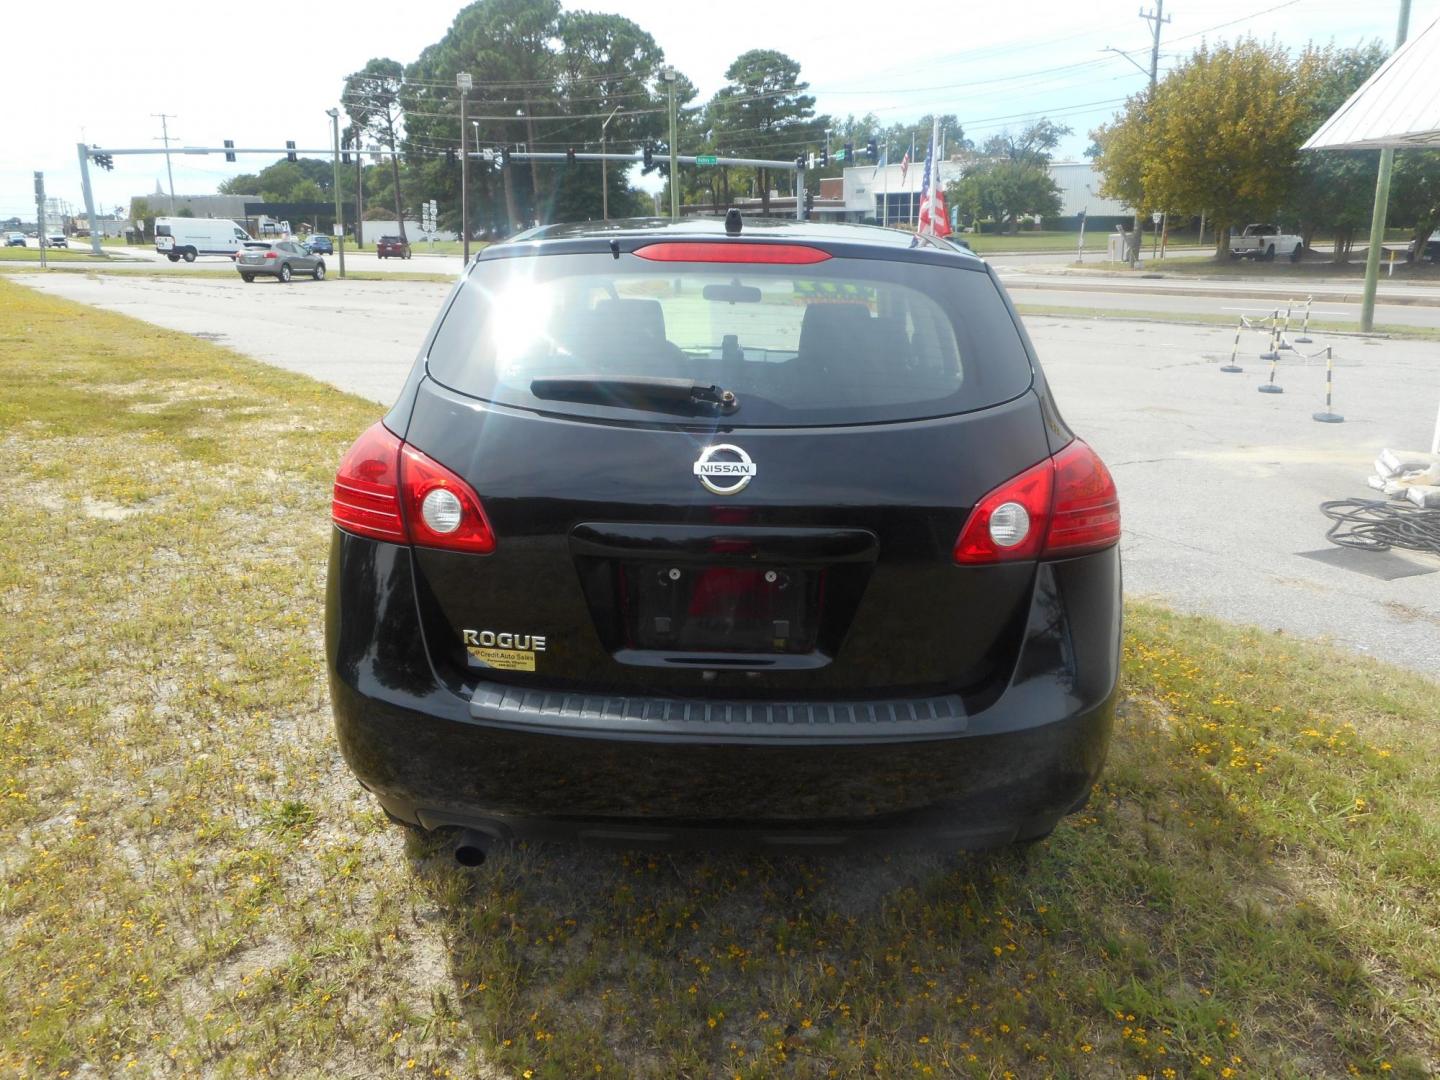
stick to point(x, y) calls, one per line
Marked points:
point(645, 391)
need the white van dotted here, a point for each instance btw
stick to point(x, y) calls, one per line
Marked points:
point(184, 238)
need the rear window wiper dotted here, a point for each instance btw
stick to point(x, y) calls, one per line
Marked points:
point(642, 391)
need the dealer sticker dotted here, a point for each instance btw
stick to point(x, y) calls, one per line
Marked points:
point(504, 659)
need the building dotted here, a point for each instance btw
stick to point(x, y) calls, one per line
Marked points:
point(227, 207)
point(867, 189)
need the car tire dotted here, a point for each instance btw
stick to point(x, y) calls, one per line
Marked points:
point(1296, 252)
point(320, 271)
point(173, 258)
point(285, 274)
point(1270, 253)
point(189, 255)
point(247, 278)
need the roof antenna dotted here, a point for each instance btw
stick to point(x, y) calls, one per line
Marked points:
point(732, 222)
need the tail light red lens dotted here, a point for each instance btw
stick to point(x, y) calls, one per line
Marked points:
point(271, 255)
point(441, 510)
point(366, 500)
point(387, 490)
point(1066, 505)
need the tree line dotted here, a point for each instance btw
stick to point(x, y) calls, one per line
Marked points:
point(1221, 135)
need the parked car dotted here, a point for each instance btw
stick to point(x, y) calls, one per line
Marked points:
point(1263, 241)
point(186, 238)
point(677, 535)
point(15, 239)
point(319, 244)
point(392, 247)
point(56, 240)
point(281, 259)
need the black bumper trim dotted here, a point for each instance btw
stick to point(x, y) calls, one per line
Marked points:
point(619, 716)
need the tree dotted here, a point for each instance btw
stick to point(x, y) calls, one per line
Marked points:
point(1415, 195)
point(1006, 190)
point(1221, 134)
point(1335, 188)
point(244, 184)
point(1032, 145)
point(372, 101)
point(763, 111)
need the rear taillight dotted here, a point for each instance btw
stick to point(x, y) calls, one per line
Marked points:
point(366, 500)
point(1065, 505)
point(271, 255)
point(441, 510)
point(387, 490)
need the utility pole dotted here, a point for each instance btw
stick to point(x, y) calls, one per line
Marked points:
point(165, 135)
point(1382, 205)
point(359, 193)
point(463, 82)
point(604, 180)
point(669, 74)
point(40, 215)
point(339, 229)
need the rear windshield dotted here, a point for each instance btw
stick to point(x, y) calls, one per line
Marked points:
point(162, 230)
point(841, 341)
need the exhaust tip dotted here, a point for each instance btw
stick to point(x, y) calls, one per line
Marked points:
point(472, 848)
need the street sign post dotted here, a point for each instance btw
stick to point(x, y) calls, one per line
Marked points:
point(705, 159)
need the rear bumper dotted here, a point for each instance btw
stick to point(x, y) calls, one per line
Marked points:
point(667, 770)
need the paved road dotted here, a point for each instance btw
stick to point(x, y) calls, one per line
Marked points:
point(147, 259)
point(1220, 485)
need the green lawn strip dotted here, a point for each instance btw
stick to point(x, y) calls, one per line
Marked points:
point(1198, 318)
point(1305, 271)
point(191, 883)
point(27, 255)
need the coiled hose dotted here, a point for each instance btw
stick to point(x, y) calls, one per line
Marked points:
point(1373, 525)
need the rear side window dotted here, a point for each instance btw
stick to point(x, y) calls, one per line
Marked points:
point(840, 341)
point(162, 230)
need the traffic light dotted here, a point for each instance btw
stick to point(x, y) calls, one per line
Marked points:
point(824, 157)
point(290, 150)
point(451, 156)
point(570, 156)
point(229, 149)
point(849, 152)
point(105, 161)
point(809, 203)
point(505, 157)
point(649, 156)
point(873, 149)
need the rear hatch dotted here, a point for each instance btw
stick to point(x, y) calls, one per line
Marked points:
point(729, 468)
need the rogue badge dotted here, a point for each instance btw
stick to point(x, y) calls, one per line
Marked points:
point(724, 469)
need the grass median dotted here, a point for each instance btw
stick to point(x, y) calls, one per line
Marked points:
point(194, 885)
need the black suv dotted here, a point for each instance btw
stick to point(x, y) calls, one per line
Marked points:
point(695, 531)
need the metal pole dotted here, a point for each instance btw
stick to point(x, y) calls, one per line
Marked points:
point(339, 229)
point(604, 177)
point(463, 82)
point(359, 196)
point(165, 135)
point(1382, 205)
point(669, 74)
point(81, 149)
point(40, 216)
point(885, 206)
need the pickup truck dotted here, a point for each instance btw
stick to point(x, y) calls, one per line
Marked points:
point(1261, 241)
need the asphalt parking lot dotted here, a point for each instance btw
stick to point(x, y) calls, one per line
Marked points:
point(1220, 485)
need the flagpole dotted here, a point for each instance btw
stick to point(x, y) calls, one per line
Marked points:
point(885, 206)
point(911, 186)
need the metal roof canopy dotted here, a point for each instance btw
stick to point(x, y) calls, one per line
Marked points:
point(1397, 107)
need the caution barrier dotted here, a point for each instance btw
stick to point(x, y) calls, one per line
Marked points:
point(1329, 416)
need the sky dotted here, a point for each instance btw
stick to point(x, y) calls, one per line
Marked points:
point(265, 72)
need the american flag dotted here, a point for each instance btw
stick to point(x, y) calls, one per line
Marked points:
point(933, 220)
point(904, 166)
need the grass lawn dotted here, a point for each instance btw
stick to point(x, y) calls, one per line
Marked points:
point(192, 884)
point(1307, 269)
point(57, 255)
